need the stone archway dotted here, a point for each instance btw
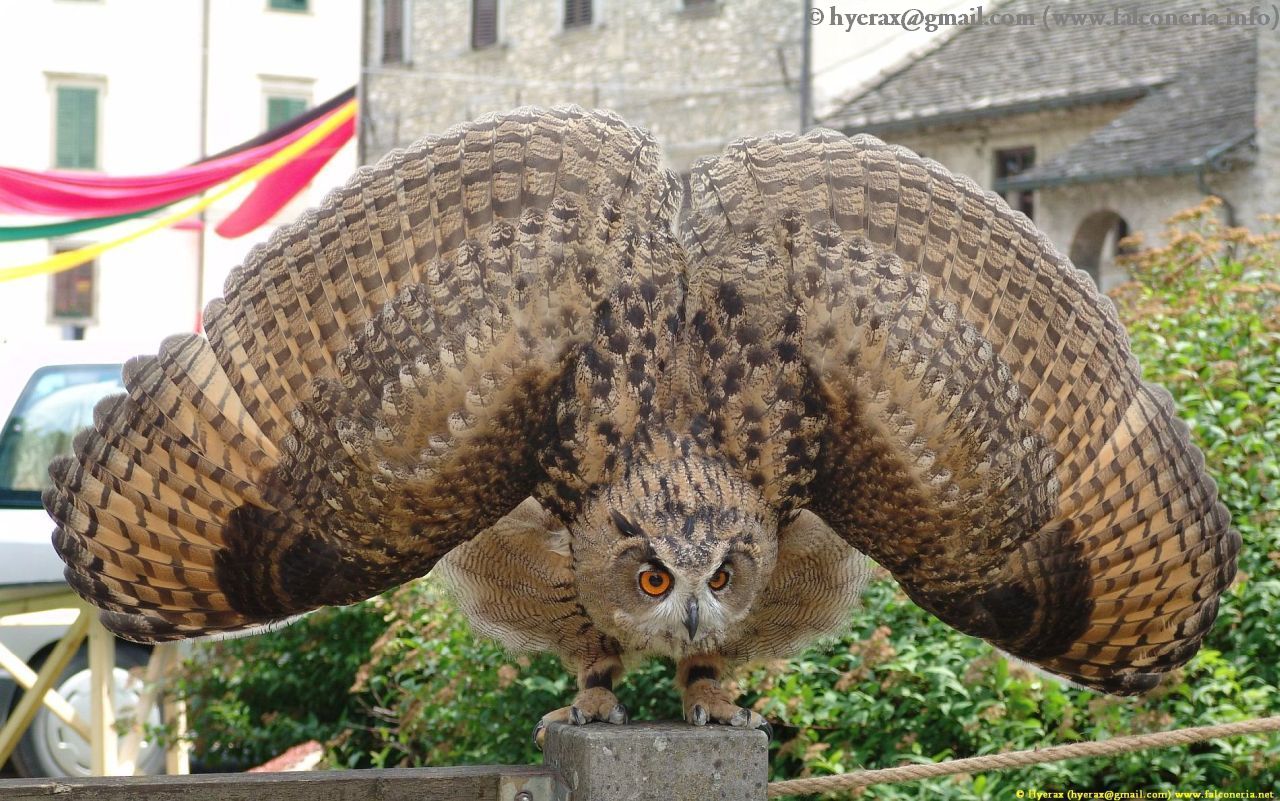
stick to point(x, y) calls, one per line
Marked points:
point(1096, 245)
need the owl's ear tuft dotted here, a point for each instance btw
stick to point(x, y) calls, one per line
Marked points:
point(625, 526)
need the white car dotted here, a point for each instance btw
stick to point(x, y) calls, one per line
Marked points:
point(47, 394)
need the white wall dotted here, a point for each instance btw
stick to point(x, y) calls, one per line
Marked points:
point(148, 55)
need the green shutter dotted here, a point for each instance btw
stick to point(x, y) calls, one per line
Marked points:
point(289, 5)
point(282, 109)
point(77, 128)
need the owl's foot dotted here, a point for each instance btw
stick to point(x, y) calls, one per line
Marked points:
point(706, 701)
point(592, 704)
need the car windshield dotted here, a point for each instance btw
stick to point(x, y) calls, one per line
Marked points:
point(56, 403)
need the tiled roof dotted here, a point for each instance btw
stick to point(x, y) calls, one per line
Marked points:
point(1194, 87)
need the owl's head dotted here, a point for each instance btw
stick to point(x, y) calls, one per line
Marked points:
point(670, 558)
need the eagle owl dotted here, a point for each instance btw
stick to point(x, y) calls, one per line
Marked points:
point(627, 419)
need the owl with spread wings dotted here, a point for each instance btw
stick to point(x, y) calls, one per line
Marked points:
point(624, 417)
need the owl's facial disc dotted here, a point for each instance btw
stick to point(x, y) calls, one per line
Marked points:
point(673, 558)
point(659, 583)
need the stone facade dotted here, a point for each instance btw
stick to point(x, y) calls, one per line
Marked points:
point(696, 74)
point(1130, 122)
point(1081, 219)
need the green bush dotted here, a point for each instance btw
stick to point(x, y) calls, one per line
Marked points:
point(251, 698)
point(1204, 317)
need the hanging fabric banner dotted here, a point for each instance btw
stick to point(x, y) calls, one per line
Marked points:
point(78, 194)
point(313, 137)
point(271, 194)
point(278, 188)
point(18, 233)
point(290, 125)
point(92, 195)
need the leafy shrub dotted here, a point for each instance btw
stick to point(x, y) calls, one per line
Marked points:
point(251, 698)
point(1204, 317)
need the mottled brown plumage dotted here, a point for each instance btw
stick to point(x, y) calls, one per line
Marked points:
point(518, 348)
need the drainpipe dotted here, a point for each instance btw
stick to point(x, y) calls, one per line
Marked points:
point(1210, 160)
point(806, 67)
point(362, 83)
point(204, 151)
point(1228, 207)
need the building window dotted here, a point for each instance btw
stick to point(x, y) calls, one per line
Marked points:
point(393, 31)
point(484, 23)
point(282, 109)
point(288, 5)
point(72, 295)
point(577, 13)
point(1016, 161)
point(76, 127)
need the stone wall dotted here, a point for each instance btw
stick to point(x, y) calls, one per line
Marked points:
point(697, 77)
point(970, 149)
point(1069, 214)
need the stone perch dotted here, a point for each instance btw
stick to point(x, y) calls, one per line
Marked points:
point(657, 761)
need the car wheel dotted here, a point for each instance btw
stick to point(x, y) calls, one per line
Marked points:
point(52, 748)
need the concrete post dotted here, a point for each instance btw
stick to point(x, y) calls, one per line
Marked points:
point(658, 761)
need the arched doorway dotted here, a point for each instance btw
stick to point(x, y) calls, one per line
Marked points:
point(1096, 245)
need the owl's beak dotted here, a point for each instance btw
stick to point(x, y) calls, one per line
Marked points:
point(691, 618)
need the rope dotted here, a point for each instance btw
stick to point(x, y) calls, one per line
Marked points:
point(1022, 759)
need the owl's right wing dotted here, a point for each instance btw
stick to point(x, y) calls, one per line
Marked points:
point(900, 351)
point(384, 379)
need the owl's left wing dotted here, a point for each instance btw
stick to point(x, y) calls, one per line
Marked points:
point(899, 351)
point(383, 380)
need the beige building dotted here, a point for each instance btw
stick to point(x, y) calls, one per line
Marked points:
point(696, 73)
point(1097, 124)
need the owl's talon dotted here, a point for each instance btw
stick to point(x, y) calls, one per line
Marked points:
point(561, 715)
point(706, 701)
point(618, 715)
point(699, 716)
point(592, 704)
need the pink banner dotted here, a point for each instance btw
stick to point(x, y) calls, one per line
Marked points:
point(81, 194)
point(278, 188)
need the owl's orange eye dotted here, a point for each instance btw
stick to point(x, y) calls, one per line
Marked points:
point(720, 580)
point(655, 582)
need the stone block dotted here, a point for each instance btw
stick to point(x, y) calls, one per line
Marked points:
point(658, 762)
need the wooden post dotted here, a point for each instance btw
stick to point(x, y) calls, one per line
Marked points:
point(177, 757)
point(165, 658)
point(131, 745)
point(49, 673)
point(102, 664)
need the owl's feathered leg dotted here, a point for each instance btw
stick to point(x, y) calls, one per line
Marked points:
point(595, 699)
point(707, 701)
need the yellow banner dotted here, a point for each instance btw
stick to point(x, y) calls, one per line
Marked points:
point(74, 258)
